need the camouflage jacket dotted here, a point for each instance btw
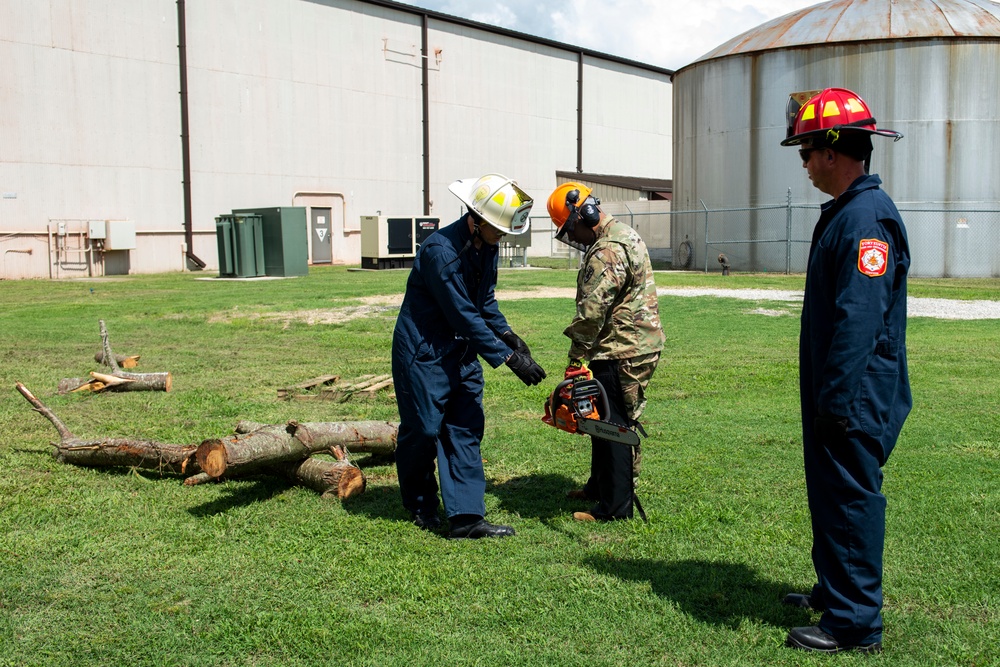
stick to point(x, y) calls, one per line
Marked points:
point(617, 316)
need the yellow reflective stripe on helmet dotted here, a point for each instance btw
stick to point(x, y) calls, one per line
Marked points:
point(830, 109)
point(810, 112)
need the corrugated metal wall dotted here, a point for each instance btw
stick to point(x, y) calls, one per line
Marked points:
point(316, 103)
point(90, 123)
point(729, 120)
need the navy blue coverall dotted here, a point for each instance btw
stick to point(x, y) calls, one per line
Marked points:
point(449, 318)
point(855, 394)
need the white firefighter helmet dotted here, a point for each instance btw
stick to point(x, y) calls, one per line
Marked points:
point(497, 200)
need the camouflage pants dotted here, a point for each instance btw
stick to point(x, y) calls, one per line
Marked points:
point(635, 374)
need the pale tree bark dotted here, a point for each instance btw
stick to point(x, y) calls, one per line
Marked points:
point(258, 445)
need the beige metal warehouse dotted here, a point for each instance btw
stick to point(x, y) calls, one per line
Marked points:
point(143, 121)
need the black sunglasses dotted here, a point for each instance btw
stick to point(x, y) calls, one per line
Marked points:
point(804, 153)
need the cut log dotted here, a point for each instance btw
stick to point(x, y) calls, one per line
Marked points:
point(373, 437)
point(362, 436)
point(122, 360)
point(331, 478)
point(124, 382)
point(115, 451)
point(259, 447)
point(337, 479)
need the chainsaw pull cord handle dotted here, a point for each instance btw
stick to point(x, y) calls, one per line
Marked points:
point(552, 396)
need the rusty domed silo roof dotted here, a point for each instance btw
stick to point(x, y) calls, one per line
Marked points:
point(867, 20)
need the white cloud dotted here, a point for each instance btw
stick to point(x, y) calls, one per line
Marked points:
point(667, 33)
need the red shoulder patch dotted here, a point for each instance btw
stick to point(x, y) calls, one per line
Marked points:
point(873, 255)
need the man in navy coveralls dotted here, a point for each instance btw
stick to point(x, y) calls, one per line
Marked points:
point(449, 318)
point(854, 386)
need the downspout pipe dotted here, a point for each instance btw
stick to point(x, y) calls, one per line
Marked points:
point(425, 111)
point(579, 113)
point(185, 138)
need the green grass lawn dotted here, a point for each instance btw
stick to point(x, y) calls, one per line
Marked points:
point(130, 567)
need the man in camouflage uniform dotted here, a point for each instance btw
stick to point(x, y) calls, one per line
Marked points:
point(616, 332)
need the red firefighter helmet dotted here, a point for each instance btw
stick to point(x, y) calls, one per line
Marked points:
point(825, 114)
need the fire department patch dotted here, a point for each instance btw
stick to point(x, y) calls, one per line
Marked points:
point(873, 255)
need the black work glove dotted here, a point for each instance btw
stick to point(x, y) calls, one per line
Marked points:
point(515, 343)
point(830, 428)
point(525, 368)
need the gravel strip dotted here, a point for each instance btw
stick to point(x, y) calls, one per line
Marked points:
point(944, 309)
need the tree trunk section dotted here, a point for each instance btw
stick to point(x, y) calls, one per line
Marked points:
point(365, 436)
point(331, 478)
point(256, 445)
point(373, 437)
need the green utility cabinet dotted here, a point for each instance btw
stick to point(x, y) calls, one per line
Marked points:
point(285, 239)
point(241, 245)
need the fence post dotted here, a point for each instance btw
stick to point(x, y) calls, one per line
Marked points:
point(706, 233)
point(788, 233)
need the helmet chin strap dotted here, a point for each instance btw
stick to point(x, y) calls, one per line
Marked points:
point(476, 234)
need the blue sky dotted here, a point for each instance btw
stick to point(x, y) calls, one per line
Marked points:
point(666, 33)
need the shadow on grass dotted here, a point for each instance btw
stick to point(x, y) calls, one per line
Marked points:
point(378, 502)
point(719, 593)
point(542, 496)
point(539, 496)
point(247, 491)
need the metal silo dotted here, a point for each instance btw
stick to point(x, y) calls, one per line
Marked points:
point(926, 68)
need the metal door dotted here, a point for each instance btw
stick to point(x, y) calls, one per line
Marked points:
point(322, 247)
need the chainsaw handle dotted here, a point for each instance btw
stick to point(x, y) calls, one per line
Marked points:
point(552, 396)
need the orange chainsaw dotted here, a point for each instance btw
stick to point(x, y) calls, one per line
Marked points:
point(576, 406)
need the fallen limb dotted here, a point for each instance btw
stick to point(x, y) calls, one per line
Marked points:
point(117, 380)
point(286, 454)
point(122, 381)
point(115, 451)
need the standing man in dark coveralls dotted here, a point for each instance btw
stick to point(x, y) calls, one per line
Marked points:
point(853, 379)
point(450, 318)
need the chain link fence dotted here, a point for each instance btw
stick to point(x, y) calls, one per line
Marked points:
point(946, 240)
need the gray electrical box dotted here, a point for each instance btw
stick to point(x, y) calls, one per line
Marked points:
point(119, 235)
point(391, 242)
point(96, 230)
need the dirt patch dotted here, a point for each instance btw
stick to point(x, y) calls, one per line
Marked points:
point(310, 317)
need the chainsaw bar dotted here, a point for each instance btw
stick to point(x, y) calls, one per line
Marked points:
point(608, 431)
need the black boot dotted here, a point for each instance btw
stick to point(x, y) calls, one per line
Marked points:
point(812, 638)
point(476, 529)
